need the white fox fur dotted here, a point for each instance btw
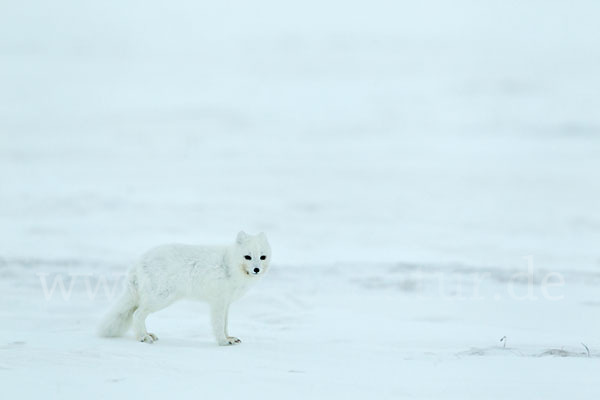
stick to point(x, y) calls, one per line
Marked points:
point(165, 274)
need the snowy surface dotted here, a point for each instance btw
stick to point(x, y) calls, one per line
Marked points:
point(344, 331)
point(402, 158)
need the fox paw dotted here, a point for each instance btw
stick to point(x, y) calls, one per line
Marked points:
point(229, 341)
point(148, 338)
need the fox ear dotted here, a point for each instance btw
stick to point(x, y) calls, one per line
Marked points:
point(241, 237)
point(262, 235)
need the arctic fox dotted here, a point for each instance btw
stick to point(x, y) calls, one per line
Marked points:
point(165, 274)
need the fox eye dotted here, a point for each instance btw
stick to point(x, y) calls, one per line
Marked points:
point(263, 257)
point(248, 257)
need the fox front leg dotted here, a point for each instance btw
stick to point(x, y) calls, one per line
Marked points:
point(218, 314)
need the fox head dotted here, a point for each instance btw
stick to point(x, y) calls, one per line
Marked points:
point(252, 253)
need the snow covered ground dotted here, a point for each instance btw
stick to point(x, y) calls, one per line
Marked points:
point(349, 331)
point(410, 163)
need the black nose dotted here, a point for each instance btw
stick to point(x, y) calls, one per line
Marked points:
point(256, 270)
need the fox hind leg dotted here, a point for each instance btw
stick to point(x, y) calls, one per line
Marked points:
point(139, 326)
